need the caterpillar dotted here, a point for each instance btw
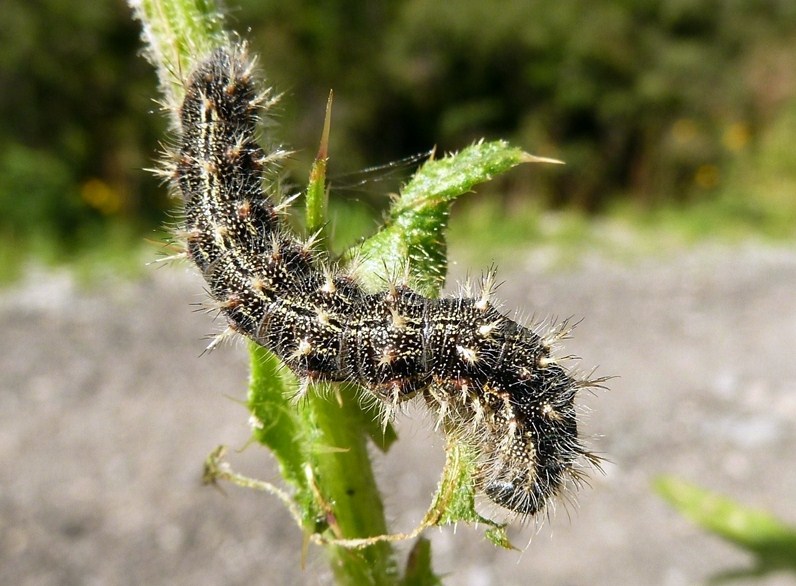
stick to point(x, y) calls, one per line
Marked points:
point(492, 382)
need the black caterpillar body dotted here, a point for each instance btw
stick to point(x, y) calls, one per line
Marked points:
point(491, 381)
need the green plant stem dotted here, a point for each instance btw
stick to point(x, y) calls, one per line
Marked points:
point(344, 474)
point(176, 33)
point(342, 465)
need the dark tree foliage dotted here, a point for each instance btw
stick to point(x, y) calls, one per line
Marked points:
point(76, 128)
point(644, 99)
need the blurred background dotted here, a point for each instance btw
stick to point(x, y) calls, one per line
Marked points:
point(659, 108)
point(676, 120)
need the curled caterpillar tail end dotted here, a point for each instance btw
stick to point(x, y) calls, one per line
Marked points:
point(527, 485)
point(535, 454)
point(516, 408)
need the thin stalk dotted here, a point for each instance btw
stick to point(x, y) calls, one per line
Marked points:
point(344, 477)
point(342, 465)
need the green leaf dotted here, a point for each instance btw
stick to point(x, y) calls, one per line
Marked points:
point(279, 425)
point(415, 229)
point(317, 194)
point(418, 566)
point(770, 541)
point(454, 500)
point(498, 537)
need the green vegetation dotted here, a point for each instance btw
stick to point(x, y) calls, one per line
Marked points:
point(670, 115)
point(74, 134)
point(770, 542)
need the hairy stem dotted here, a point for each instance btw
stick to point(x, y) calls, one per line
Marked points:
point(176, 33)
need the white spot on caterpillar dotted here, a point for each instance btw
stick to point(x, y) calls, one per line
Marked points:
point(398, 321)
point(486, 330)
point(469, 355)
point(304, 348)
point(545, 361)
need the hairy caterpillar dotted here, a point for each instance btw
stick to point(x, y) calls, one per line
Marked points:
point(492, 382)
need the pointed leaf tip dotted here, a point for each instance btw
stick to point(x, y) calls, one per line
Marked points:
point(529, 158)
point(323, 149)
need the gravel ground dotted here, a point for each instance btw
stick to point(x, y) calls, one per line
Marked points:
point(107, 412)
